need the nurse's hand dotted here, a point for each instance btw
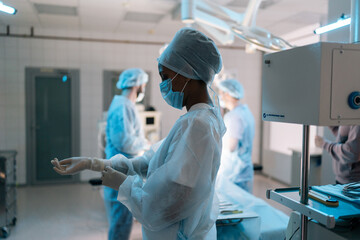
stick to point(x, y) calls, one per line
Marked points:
point(112, 178)
point(71, 166)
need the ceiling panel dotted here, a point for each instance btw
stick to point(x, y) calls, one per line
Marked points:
point(148, 6)
point(107, 12)
point(60, 22)
point(133, 27)
point(56, 2)
point(55, 9)
point(93, 24)
point(143, 17)
point(280, 16)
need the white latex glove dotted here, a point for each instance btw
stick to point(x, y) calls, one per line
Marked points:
point(112, 178)
point(319, 141)
point(71, 166)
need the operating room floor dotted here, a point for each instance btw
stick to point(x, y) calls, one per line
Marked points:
point(76, 211)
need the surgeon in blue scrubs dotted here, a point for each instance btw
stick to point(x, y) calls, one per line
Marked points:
point(124, 135)
point(236, 164)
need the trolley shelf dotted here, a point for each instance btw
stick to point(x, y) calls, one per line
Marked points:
point(325, 215)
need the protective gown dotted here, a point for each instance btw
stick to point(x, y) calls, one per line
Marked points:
point(124, 133)
point(171, 187)
point(237, 165)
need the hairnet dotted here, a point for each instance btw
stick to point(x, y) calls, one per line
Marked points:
point(232, 87)
point(193, 55)
point(132, 77)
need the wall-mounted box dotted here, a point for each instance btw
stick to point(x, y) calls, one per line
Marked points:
point(317, 84)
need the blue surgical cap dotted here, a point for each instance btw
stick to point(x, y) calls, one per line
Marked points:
point(132, 77)
point(232, 87)
point(193, 55)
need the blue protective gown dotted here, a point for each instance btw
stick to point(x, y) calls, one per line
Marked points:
point(124, 132)
point(170, 189)
point(237, 165)
point(124, 135)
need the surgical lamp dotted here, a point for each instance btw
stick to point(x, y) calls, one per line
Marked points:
point(261, 38)
point(7, 9)
point(223, 24)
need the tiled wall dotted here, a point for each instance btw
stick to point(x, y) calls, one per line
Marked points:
point(91, 58)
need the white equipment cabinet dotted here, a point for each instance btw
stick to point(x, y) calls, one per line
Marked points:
point(317, 84)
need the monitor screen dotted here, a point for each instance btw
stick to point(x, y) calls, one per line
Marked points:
point(150, 121)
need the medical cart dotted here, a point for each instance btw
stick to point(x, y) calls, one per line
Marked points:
point(7, 191)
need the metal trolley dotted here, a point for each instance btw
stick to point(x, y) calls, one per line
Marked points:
point(7, 191)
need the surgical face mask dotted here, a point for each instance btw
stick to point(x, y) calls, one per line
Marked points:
point(174, 99)
point(140, 94)
point(140, 97)
point(221, 102)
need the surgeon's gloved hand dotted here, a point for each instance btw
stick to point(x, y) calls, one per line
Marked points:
point(71, 166)
point(112, 178)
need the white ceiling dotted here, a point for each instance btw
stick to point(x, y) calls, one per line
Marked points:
point(158, 16)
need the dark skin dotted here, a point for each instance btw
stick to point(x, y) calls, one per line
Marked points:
point(194, 92)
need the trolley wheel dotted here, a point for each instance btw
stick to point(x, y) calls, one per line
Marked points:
point(13, 223)
point(4, 232)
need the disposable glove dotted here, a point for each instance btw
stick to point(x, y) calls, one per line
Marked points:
point(71, 166)
point(120, 163)
point(112, 178)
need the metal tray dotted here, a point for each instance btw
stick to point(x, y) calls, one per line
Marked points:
point(325, 215)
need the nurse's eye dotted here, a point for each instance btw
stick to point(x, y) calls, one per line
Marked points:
point(164, 77)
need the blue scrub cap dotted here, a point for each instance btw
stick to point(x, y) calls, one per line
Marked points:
point(232, 87)
point(132, 77)
point(192, 55)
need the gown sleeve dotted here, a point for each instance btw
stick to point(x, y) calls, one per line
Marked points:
point(176, 189)
point(135, 166)
point(347, 152)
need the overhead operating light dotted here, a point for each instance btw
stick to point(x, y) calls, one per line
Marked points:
point(7, 9)
point(342, 22)
point(261, 38)
point(223, 24)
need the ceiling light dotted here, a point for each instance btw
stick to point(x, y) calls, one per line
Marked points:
point(342, 22)
point(7, 9)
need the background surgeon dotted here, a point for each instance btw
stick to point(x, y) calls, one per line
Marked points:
point(124, 135)
point(345, 152)
point(236, 163)
point(170, 189)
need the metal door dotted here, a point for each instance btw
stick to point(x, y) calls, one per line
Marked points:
point(52, 121)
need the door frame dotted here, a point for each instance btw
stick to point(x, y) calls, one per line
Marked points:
point(30, 74)
point(107, 87)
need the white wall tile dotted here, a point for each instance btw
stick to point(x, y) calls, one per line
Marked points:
point(2, 48)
